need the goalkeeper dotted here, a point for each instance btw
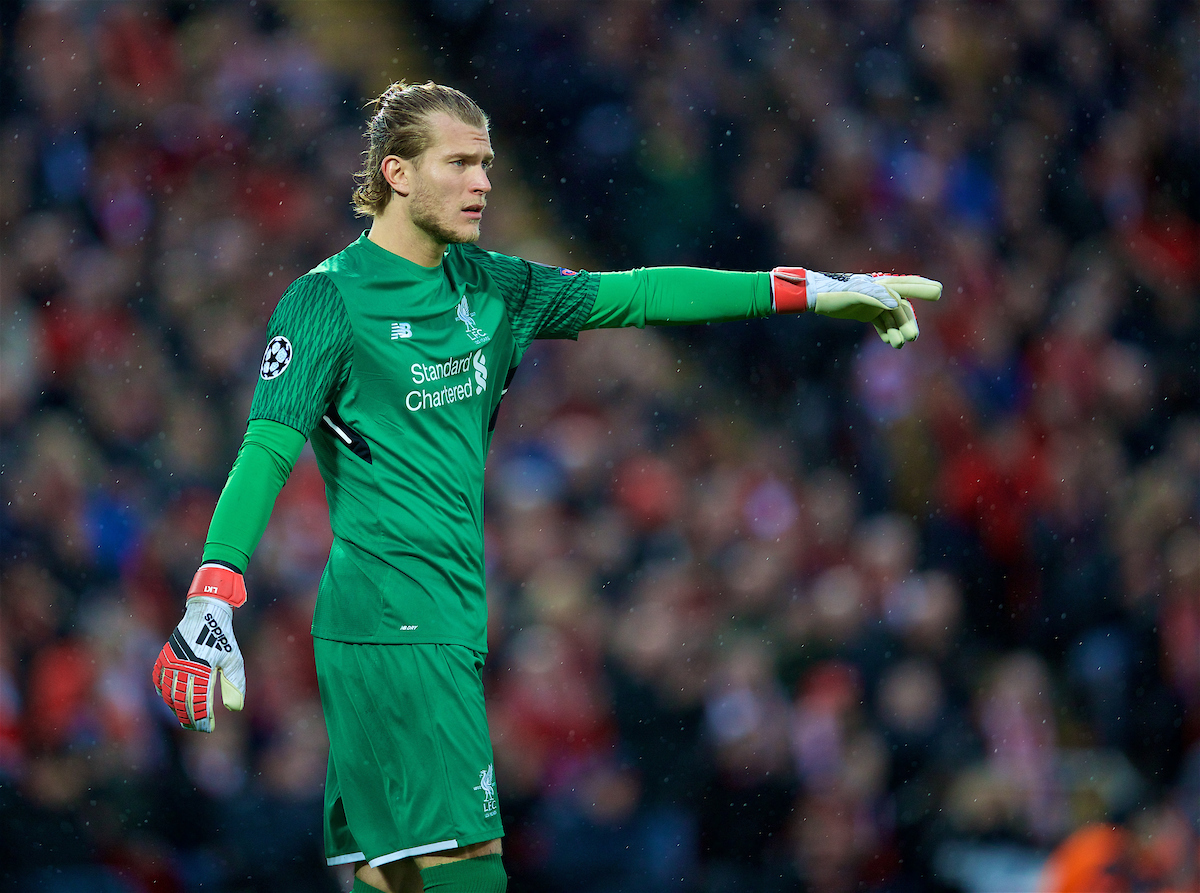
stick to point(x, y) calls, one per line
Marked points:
point(392, 358)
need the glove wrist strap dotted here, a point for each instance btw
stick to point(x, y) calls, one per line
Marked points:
point(789, 290)
point(220, 582)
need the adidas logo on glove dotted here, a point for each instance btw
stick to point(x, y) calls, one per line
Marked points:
point(212, 636)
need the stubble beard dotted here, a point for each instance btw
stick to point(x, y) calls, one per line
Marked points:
point(424, 215)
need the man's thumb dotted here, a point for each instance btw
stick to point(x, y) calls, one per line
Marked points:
point(233, 697)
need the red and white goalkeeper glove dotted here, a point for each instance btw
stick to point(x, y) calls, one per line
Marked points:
point(202, 648)
point(878, 298)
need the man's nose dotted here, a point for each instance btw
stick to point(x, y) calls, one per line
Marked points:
point(482, 183)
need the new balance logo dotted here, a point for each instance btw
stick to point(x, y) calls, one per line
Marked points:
point(401, 330)
point(211, 636)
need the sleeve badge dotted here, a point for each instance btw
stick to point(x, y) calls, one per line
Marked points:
point(276, 358)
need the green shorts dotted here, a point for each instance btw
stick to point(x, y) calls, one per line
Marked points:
point(410, 758)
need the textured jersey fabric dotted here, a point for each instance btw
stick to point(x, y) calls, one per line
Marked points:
point(395, 372)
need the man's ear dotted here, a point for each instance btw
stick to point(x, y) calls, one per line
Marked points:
point(398, 173)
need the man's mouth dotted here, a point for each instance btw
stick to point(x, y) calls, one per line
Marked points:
point(474, 212)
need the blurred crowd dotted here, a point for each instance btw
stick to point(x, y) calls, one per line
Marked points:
point(773, 606)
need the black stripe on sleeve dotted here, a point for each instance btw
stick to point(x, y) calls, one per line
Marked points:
point(224, 564)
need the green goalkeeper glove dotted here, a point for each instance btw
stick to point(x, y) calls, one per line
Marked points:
point(878, 298)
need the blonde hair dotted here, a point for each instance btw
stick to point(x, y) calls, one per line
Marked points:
point(400, 127)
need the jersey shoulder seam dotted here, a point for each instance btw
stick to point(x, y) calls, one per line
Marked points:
point(331, 283)
point(490, 261)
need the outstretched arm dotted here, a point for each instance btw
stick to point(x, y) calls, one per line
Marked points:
point(678, 296)
point(687, 295)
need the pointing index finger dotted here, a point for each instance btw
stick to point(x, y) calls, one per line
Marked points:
point(915, 287)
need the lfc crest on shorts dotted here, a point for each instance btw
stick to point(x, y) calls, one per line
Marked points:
point(487, 784)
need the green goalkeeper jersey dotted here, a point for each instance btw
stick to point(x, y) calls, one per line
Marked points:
point(395, 372)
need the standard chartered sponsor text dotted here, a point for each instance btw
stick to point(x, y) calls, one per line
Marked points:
point(422, 373)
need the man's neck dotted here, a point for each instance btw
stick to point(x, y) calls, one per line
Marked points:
point(393, 231)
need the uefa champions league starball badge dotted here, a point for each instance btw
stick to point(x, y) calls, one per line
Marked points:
point(276, 358)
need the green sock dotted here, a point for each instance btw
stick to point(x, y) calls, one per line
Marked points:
point(483, 874)
point(361, 886)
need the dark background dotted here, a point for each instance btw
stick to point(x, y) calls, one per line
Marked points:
point(774, 607)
